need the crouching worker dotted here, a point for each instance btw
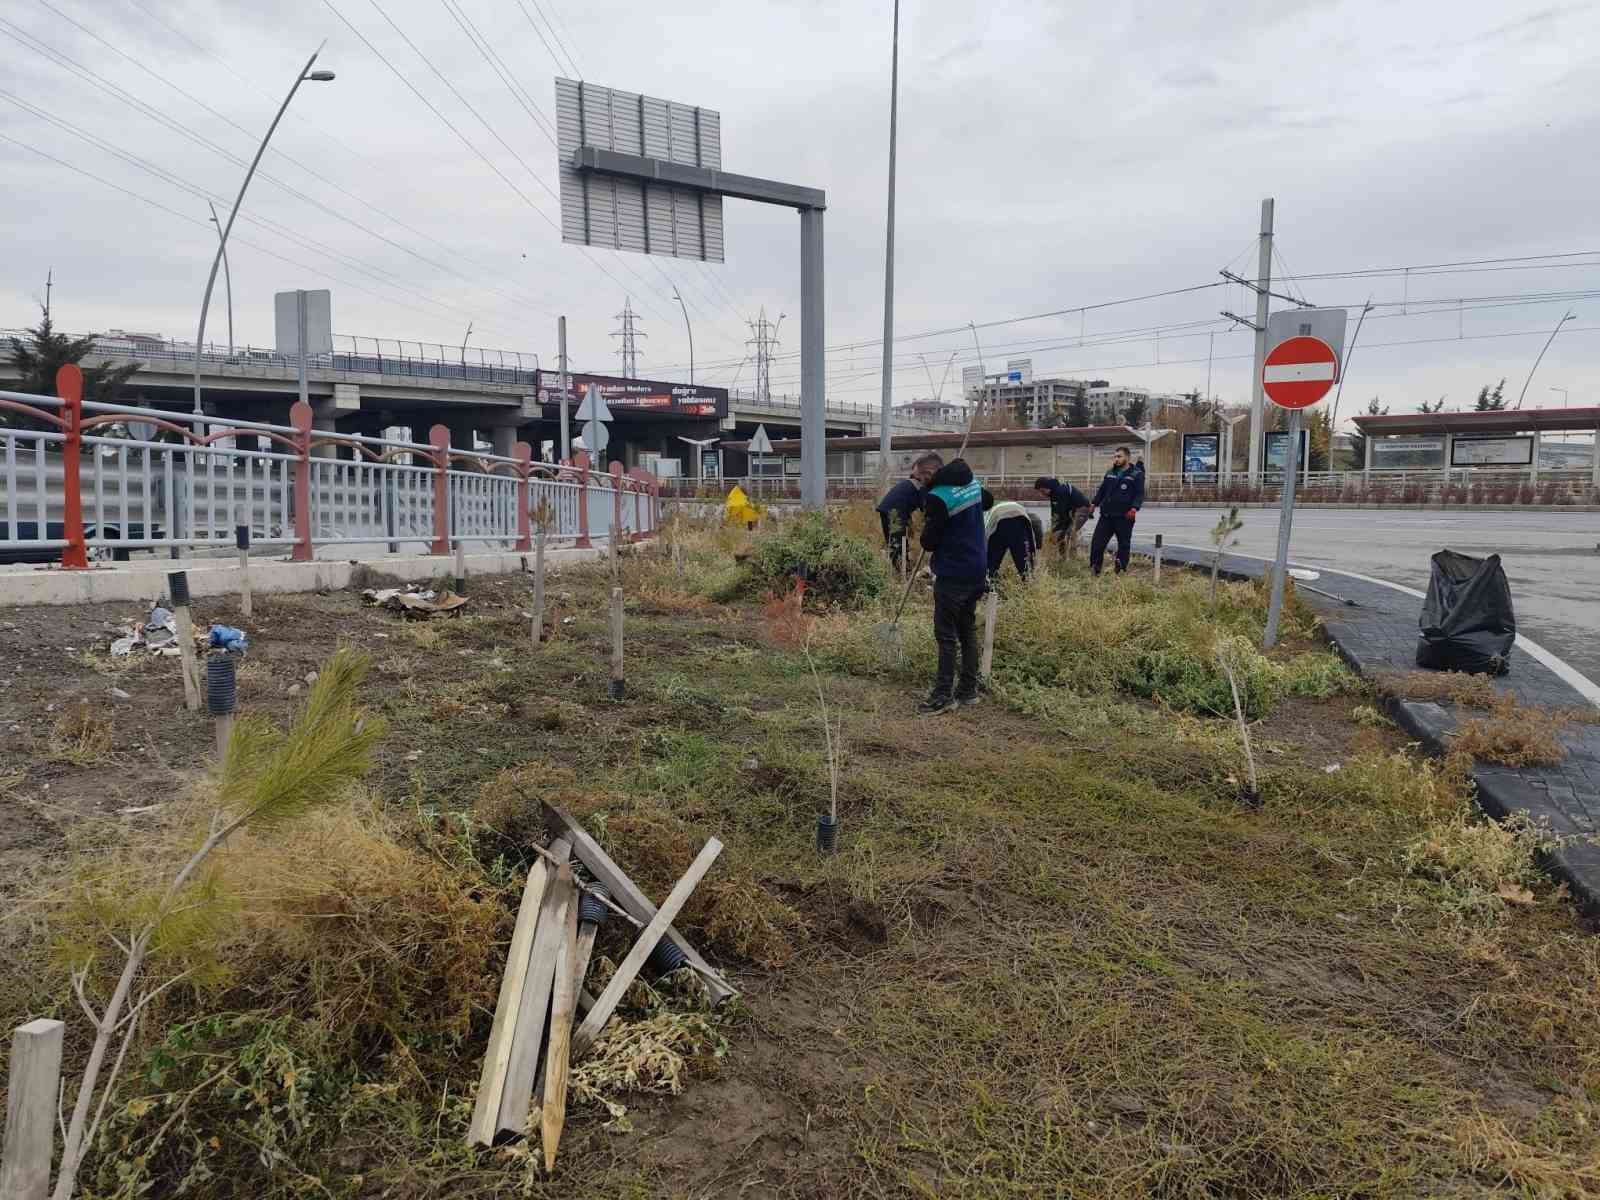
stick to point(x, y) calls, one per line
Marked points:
point(1066, 502)
point(900, 501)
point(952, 531)
point(1010, 529)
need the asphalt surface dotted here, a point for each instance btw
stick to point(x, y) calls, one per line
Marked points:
point(1552, 559)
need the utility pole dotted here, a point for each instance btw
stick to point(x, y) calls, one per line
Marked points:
point(1263, 301)
point(629, 350)
point(227, 275)
point(688, 328)
point(884, 419)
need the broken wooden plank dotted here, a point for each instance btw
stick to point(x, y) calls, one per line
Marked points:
point(491, 1083)
point(653, 932)
point(626, 893)
point(563, 1004)
point(528, 1037)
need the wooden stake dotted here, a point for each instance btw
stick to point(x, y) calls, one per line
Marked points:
point(583, 952)
point(990, 604)
point(626, 894)
point(1158, 560)
point(528, 1037)
point(224, 735)
point(191, 668)
point(629, 970)
point(616, 643)
point(31, 1110)
point(538, 585)
point(563, 1004)
point(491, 1084)
point(616, 562)
point(461, 567)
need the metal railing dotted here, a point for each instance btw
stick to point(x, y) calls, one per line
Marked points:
point(1455, 486)
point(862, 410)
point(77, 480)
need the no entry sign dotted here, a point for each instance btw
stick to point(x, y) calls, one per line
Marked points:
point(1299, 371)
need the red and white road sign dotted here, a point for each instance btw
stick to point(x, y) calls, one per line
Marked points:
point(1299, 371)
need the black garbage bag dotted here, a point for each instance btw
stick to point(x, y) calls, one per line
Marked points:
point(1467, 623)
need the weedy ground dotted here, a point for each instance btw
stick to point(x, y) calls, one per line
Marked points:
point(1052, 957)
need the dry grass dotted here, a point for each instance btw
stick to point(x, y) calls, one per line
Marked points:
point(80, 737)
point(1455, 687)
point(1512, 735)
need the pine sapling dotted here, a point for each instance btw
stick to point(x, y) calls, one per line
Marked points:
point(268, 779)
point(1222, 539)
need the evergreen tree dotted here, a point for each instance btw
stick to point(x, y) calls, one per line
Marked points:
point(1078, 411)
point(1319, 439)
point(1436, 406)
point(1358, 440)
point(1490, 401)
point(1133, 416)
point(44, 351)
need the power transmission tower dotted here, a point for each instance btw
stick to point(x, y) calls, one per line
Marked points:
point(764, 337)
point(629, 333)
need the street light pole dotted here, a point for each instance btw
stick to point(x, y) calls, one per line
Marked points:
point(884, 422)
point(227, 275)
point(688, 328)
point(1540, 359)
point(304, 74)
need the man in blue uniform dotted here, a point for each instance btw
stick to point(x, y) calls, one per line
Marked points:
point(900, 501)
point(1119, 499)
point(952, 531)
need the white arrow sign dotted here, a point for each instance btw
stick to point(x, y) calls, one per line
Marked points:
point(761, 443)
point(595, 437)
point(593, 407)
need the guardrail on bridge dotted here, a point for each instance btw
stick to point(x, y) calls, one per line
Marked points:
point(90, 477)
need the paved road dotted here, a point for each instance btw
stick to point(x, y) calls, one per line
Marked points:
point(1551, 558)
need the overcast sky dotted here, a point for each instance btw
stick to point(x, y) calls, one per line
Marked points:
point(1052, 156)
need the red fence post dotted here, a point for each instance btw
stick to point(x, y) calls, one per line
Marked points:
point(616, 498)
point(581, 462)
point(300, 420)
point(69, 386)
point(439, 439)
point(523, 453)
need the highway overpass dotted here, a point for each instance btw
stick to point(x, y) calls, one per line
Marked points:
point(488, 396)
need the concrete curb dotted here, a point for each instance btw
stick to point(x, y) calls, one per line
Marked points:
point(220, 577)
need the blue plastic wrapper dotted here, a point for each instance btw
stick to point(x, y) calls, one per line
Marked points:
point(226, 637)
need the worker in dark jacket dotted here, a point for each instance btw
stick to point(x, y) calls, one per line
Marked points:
point(897, 505)
point(1011, 530)
point(1118, 500)
point(952, 531)
point(1065, 501)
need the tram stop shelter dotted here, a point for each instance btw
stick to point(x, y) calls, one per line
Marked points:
point(1508, 440)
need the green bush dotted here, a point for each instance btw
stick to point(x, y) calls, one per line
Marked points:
point(844, 571)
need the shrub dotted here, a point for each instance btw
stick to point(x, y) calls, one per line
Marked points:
point(842, 570)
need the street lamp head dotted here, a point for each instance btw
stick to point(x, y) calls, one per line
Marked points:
point(320, 76)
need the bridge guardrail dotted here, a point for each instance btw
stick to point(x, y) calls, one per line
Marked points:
point(84, 476)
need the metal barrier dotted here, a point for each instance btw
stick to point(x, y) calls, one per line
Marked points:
point(109, 478)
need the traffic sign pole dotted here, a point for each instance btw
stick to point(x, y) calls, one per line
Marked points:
point(1285, 525)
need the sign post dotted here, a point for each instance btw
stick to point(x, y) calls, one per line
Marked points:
point(760, 444)
point(1299, 369)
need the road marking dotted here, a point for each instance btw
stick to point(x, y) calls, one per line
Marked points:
point(1570, 675)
